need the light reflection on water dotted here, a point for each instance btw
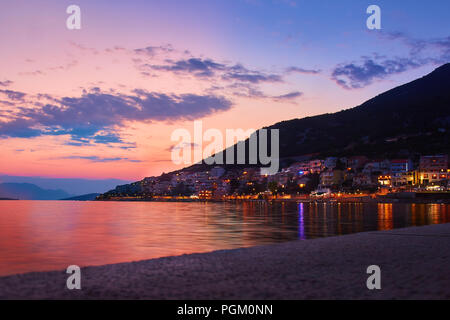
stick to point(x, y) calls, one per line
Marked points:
point(50, 235)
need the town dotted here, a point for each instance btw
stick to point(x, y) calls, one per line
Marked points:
point(332, 177)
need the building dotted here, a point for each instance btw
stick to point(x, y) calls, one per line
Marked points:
point(301, 168)
point(316, 166)
point(357, 162)
point(400, 166)
point(205, 194)
point(331, 162)
point(385, 181)
point(381, 166)
point(330, 178)
point(362, 180)
point(431, 177)
point(402, 173)
point(433, 169)
point(434, 163)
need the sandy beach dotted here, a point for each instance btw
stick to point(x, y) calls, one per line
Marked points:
point(414, 262)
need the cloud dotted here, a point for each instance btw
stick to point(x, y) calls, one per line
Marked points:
point(302, 70)
point(249, 90)
point(246, 90)
point(228, 78)
point(359, 75)
point(7, 103)
point(95, 117)
point(355, 75)
point(154, 50)
point(64, 67)
point(6, 83)
point(288, 96)
point(253, 77)
point(13, 95)
point(205, 68)
point(18, 128)
point(198, 67)
point(99, 159)
point(437, 50)
point(242, 74)
point(32, 73)
point(162, 107)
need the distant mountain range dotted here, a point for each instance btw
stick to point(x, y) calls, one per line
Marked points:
point(27, 191)
point(71, 186)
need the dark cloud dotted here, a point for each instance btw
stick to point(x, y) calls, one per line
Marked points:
point(199, 67)
point(359, 75)
point(13, 95)
point(209, 68)
point(95, 116)
point(252, 77)
point(161, 107)
point(422, 52)
point(18, 128)
point(302, 71)
point(289, 96)
point(242, 74)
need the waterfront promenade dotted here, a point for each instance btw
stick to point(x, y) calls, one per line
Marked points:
point(414, 262)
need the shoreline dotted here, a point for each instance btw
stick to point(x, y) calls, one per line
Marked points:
point(414, 262)
point(331, 200)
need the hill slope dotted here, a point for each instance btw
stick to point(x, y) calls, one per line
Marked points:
point(412, 118)
point(407, 121)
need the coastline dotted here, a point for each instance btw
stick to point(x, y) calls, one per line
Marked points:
point(414, 262)
point(318, 200)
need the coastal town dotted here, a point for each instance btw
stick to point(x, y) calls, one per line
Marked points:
point(330, 177)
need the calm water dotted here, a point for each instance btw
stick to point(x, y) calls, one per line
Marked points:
point(50, 235)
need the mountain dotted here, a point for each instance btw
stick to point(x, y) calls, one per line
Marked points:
point(411, 119)
point(407, 121)
point(85, 197)
point(27, 191)
point(71, 186)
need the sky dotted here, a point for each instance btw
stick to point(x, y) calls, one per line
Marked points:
point(102, 101)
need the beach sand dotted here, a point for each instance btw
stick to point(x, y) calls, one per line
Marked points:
point(414, 262)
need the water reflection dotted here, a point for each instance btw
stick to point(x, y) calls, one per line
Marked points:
point(48, 235)
point(301, 221)
point(385, 221)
